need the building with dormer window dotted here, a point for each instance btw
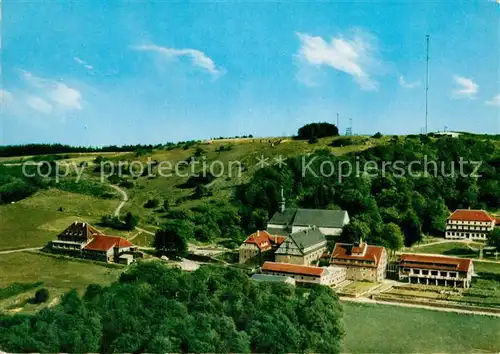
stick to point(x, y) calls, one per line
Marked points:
point(257, 244)
point(363, 262)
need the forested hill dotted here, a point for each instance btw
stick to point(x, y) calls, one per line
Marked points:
point(388, 208)
point(155, 309)
point(388, 205)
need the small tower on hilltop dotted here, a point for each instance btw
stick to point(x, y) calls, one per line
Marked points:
point(282, 201)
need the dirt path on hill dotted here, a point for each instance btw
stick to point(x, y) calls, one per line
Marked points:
point(120, 206)
point(124, 199)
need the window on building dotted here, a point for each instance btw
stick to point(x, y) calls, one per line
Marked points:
point(434, 272)
point(453, 274)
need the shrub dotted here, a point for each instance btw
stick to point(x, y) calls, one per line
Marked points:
point(343, 142)
point(377, 135)
point(152, 203)
point(313, 140)
point(41, 295)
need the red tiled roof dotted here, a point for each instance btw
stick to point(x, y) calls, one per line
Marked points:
point(325, 256)
point(104, 243)
point(340, 253)
point(292, 269)
point(260, 239)
point(435, 262)
point(471, 215)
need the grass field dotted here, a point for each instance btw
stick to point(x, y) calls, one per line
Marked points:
point(458, 249)
point(487, 267)
point(58, 275)
point(393, 329)
point(36, 220)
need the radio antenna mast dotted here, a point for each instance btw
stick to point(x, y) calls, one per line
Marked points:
point(427, 84)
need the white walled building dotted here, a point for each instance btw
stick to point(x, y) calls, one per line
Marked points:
point(329, 276)
point(436, 270)
point(469, 224)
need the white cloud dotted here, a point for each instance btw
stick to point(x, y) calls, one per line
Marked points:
point(468, 88)
point(408, 85)
point(5, 97)
point(495, 101)
point(83, 63)
point(197, 57)
point(39, 104)
point(351, 56)
point(61, 96)
point(66, 97)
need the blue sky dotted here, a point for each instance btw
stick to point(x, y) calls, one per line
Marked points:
point(95, 73)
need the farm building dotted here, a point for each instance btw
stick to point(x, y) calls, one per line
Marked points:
point(83, 240)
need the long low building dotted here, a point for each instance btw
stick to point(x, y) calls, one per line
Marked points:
point(329, 276)
point(273, 278)
point(436, 270)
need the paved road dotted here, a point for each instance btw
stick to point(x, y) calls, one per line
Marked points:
point(443, 309)
point(20, 250)
point(435, 243)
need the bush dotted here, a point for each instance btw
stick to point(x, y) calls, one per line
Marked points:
point(313, 140)
point(377, 135)
point(152, 203)
point(41, 295)
point(343, 142)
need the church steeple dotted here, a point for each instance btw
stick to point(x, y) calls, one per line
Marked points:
point(282, 201)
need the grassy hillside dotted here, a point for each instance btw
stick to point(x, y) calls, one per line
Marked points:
point(57, 275)
point(37, 219)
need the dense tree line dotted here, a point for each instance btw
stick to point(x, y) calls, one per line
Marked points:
point(205, 222)
point(154, 309)
point(317, 130)
point(41, 149)
point(14, 185)
point(385, 208)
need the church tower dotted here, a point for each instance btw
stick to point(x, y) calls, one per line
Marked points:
point(282, 202)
